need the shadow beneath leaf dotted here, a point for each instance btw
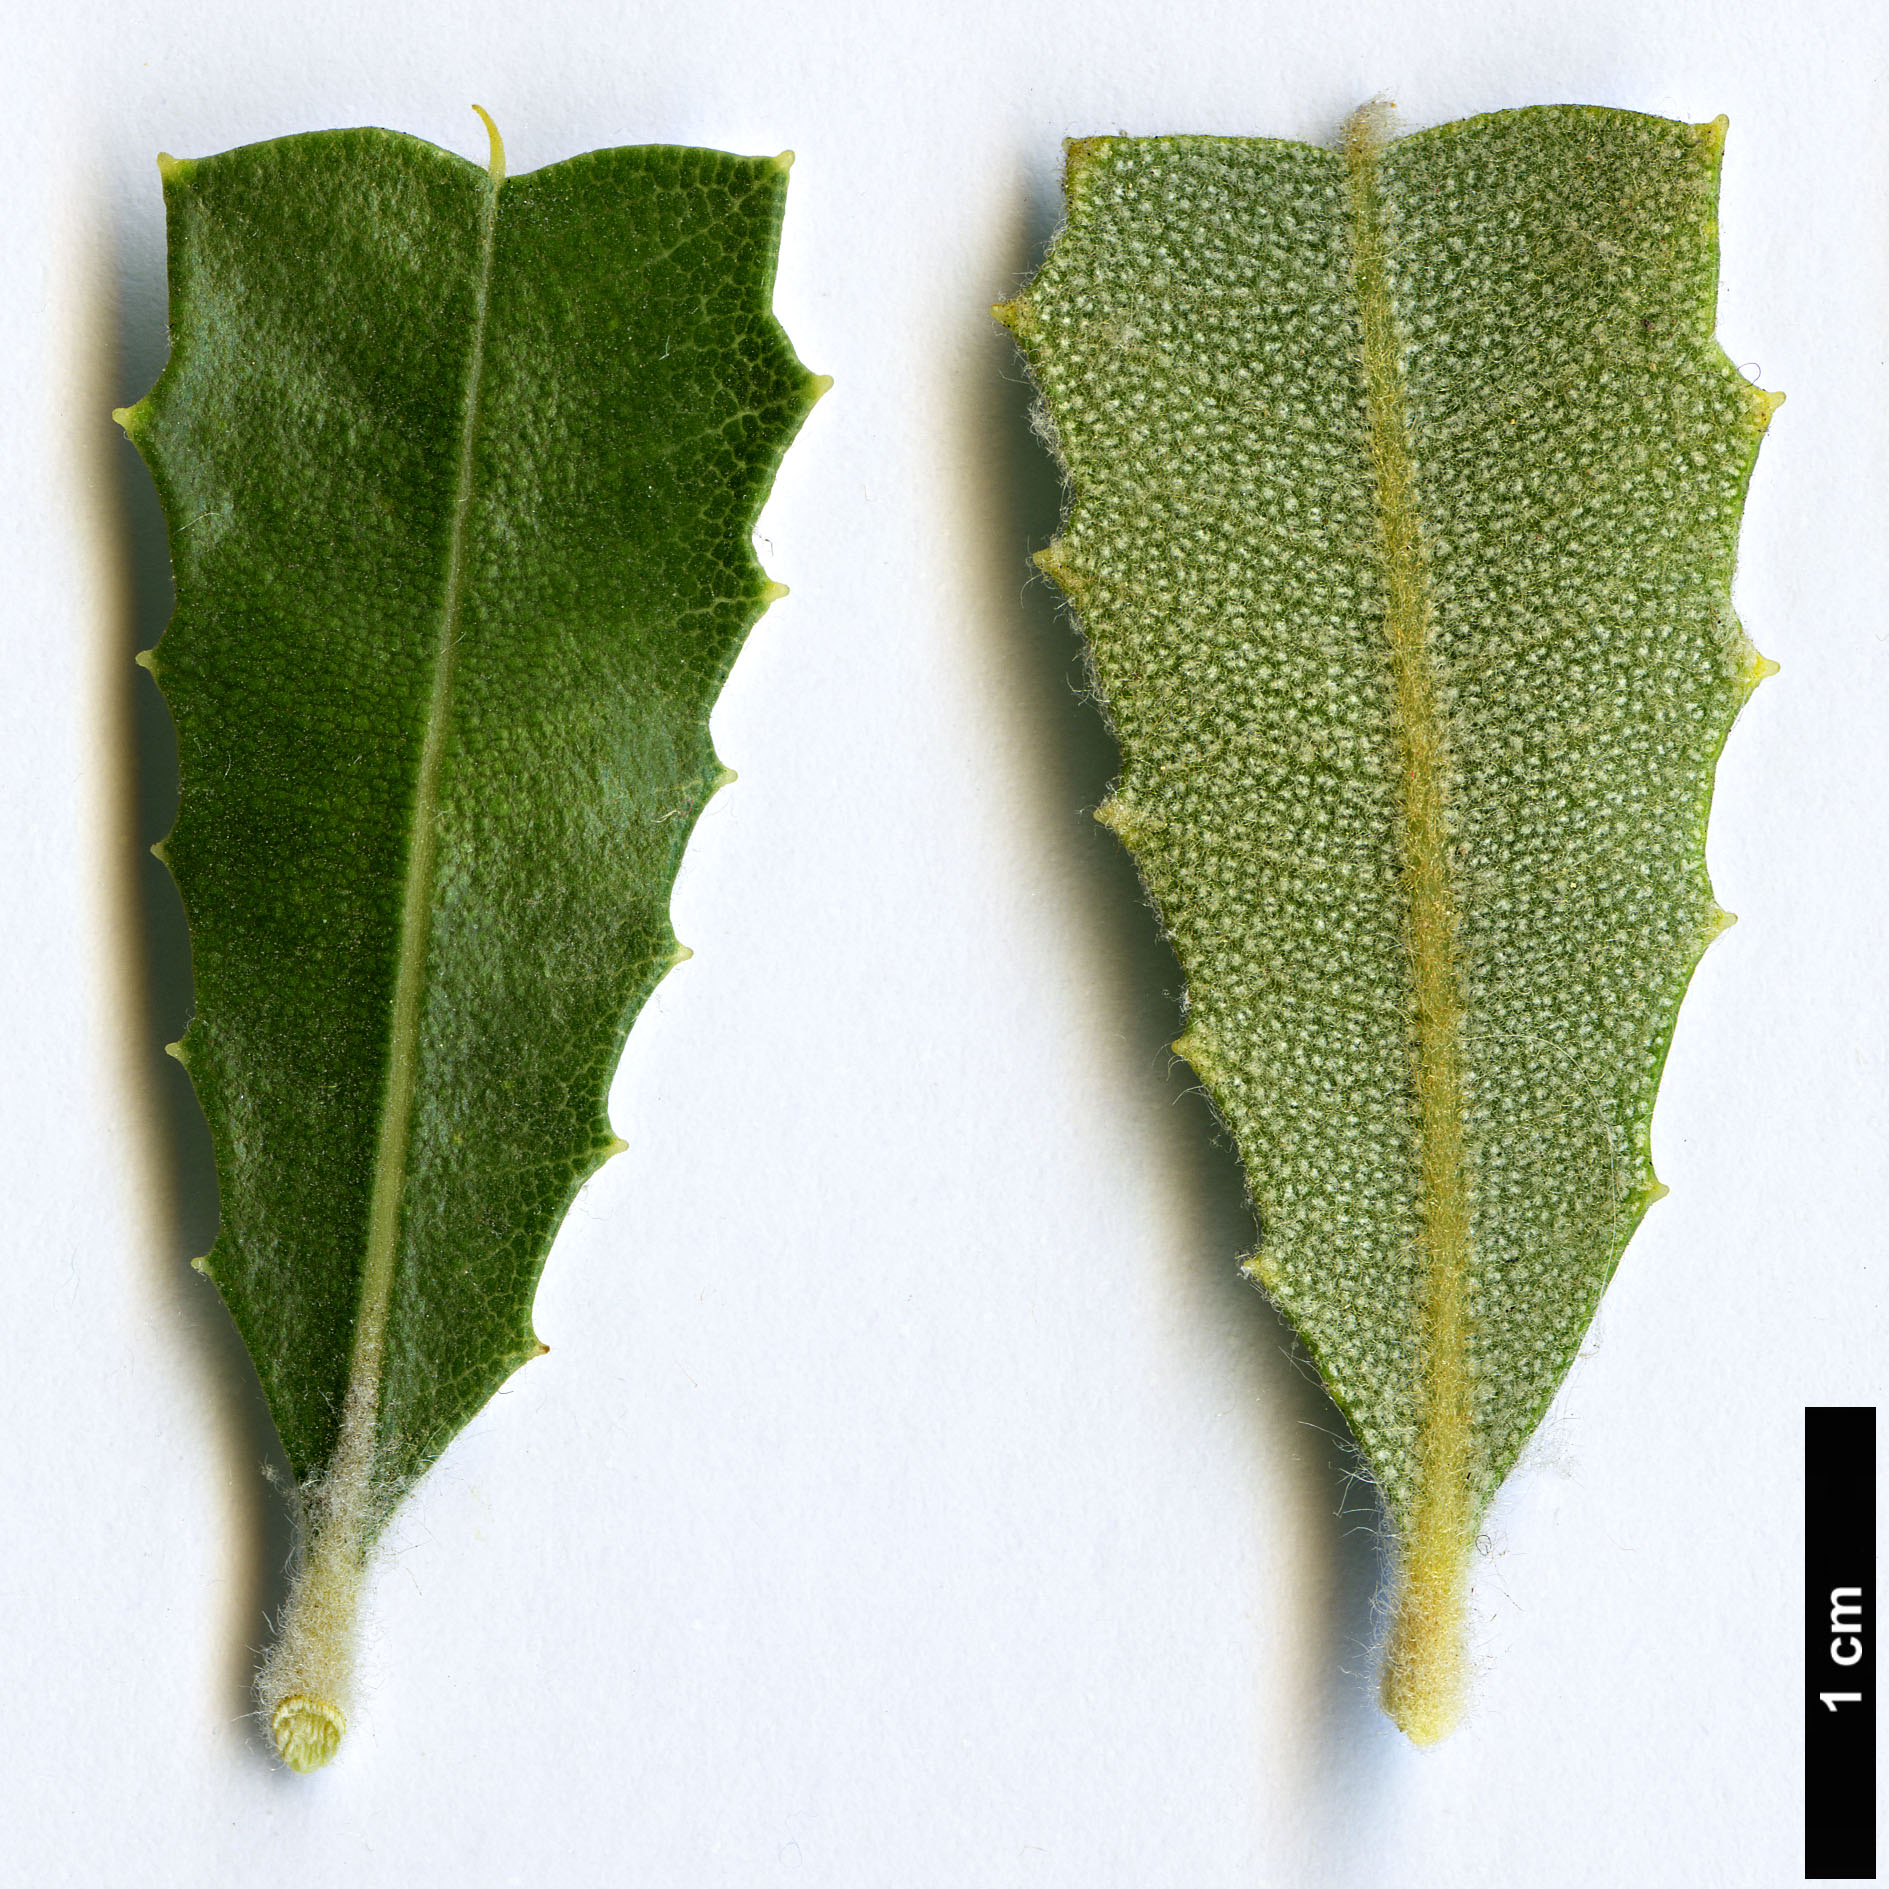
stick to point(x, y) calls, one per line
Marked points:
point(152, 955)
point(1343, 1739)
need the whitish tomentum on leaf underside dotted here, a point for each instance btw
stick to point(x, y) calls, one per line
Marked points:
point(1405, 482)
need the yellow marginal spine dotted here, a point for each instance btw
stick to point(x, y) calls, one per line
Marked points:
point(1425, 1657)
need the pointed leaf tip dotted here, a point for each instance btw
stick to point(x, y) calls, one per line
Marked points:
point(1369, 129)
point(783, 161)
point(819, 386)
point(495, 163)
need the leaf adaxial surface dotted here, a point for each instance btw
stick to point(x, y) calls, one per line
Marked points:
point(460, 472)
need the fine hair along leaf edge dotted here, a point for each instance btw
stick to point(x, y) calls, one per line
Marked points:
point(1425, 1701)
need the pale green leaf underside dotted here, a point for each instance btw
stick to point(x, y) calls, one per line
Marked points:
point(1413, 471)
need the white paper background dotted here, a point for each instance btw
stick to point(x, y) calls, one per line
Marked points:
point(913, 1494)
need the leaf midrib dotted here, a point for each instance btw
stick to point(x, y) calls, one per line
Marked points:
point(361, 1412)
point(1440, 1520)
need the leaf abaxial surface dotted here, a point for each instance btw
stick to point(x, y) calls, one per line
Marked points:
point(1405, 483)
point(461, 472)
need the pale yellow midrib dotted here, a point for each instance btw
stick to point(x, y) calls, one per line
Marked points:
point(353, 1456)
point(1424, 1657)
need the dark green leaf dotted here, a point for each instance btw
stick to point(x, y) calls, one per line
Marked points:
point(460, 473)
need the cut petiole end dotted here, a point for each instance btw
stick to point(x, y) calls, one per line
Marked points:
point(309, 1675)
point(307, 1731)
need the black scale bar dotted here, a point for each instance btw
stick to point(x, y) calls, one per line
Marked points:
point(1840, 1644)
